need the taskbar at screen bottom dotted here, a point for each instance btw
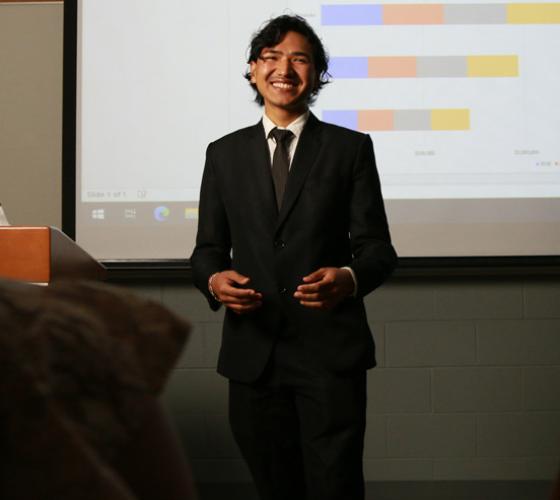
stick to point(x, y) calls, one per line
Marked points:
point(142, 230)
point(137, 213)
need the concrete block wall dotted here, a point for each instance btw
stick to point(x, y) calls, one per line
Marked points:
point(467, 387)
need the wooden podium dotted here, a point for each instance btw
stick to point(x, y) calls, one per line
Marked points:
point(43, 255)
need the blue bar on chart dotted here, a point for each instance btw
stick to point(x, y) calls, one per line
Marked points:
point(344, 118)
point(351, 14)
point(349, 67)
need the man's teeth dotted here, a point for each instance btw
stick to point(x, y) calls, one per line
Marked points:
point(282, 85)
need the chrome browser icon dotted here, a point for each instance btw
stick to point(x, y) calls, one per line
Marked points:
point(161, 213)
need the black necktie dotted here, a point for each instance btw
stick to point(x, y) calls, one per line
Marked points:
point(281, 162)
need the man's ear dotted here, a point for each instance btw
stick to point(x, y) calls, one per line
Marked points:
point(252, 69)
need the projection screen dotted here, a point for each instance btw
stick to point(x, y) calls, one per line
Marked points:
point(461, 101)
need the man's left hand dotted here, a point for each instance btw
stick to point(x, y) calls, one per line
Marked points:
point(325, 288)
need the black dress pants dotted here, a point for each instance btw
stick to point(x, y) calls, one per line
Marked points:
point(301, 430)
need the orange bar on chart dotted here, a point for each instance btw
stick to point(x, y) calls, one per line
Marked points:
point(413, 14)
point(375, 119)
point(391, 67)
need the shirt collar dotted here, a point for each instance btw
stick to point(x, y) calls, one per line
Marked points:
point(296, 127)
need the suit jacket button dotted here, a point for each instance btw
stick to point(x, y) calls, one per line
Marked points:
point(283, 290)
point(279, 244)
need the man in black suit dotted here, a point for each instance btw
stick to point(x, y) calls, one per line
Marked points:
point(292, 235)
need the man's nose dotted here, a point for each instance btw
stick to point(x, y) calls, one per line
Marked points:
point(285, 66)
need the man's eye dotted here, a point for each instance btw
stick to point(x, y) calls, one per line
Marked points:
point(300, 60)
point(269, 57)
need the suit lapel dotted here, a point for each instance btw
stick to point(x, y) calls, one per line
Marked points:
point(305, 156)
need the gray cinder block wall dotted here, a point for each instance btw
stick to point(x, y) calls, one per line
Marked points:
point(467, 387)
point(468, 383)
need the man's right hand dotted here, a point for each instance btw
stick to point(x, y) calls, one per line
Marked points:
point(229, 288)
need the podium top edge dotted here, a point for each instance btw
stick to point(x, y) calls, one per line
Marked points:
point(29, 228)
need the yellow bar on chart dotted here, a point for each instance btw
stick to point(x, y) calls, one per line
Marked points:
point(481, 66)
point(533, 13)
point(450, 119)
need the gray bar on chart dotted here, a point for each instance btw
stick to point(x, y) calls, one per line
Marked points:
point(490, 13)
point(412, 119)
point(441, 66)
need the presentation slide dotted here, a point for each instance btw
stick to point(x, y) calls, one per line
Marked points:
point(461, 101)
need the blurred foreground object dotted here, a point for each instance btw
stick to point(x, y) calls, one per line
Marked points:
point(81, 369)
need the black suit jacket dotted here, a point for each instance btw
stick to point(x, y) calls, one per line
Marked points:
point(332, 215)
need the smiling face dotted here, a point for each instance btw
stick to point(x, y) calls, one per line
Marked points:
point(285, 76)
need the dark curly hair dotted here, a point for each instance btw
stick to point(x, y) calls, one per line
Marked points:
point(273, 33)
